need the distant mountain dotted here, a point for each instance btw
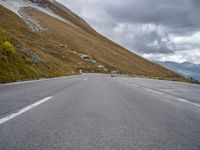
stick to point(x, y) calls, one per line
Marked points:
point(186, 69)
point(42, 38)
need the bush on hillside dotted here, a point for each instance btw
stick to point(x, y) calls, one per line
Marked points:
point(6, 48)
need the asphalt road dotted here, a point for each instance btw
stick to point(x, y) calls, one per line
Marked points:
point(97, 112)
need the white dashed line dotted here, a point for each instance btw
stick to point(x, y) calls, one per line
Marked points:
point(11, 116)
point(154, 91)
point(85, 79)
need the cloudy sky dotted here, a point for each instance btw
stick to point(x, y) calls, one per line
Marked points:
point(166, 30)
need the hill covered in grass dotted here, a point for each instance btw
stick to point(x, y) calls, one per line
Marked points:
point(45, 39)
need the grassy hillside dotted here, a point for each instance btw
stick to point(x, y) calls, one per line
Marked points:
point(58, 50)
point(13, 66)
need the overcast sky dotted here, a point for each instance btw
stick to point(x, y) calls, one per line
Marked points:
point(166, 30)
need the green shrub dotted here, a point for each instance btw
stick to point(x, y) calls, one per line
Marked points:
point(6, 48)
point(9, 48)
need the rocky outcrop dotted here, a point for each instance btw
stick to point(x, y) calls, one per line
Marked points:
point(35, 24)
point(34, 57)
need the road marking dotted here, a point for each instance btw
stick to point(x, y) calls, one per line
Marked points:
point(11, 116)
point(154, 91)
point(178, 99)
point(32, 81)
point(161, 93)
point(130, 83)
point(188, 102)
point(85, 79)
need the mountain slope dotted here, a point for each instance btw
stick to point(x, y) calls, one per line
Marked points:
point(51, 41)
point(186, 69)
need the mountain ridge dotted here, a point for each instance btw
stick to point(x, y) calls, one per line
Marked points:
point(186, 69)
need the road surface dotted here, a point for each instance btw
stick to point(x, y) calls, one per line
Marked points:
point(97, 112)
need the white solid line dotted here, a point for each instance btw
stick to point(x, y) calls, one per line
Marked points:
point(188, 102)
point(178, 99)
point(31, 81)
point(11, 116)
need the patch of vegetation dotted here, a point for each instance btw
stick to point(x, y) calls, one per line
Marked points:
point(7, 49)
point(12, 66)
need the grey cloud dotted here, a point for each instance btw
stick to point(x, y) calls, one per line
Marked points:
point(169, 13)
point(145, 40)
